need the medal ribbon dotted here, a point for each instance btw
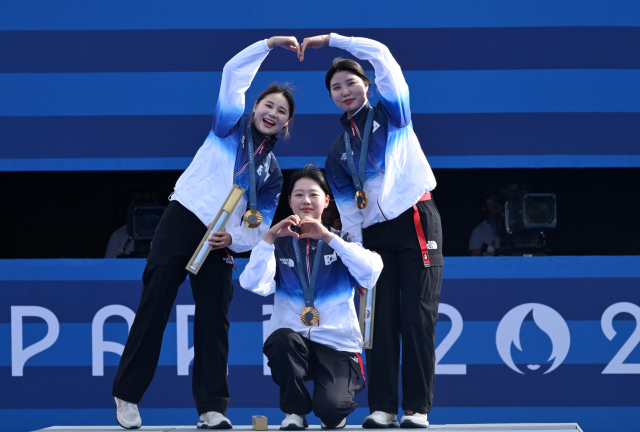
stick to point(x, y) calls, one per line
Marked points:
point(253, 196)
point(358, 179)
point(308, 289)
point(265, 170)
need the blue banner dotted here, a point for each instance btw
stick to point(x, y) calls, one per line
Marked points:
point(203, 14)
point(543, 339)
point(115, 85)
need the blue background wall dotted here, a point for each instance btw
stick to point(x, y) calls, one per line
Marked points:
point(111, 85)
point(58, 387)
point(124, 85)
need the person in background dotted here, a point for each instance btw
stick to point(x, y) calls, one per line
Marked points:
point(120, 243)
point(484, 237)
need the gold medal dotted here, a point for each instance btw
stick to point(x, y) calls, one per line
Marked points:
point(252, 218)
point(361, 199)
point(309, 316)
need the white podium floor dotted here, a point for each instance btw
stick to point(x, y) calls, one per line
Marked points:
point(504, 427)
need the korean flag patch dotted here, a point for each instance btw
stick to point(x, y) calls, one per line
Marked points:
point(328, 259)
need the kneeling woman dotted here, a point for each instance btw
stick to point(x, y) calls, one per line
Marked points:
point(315, 334)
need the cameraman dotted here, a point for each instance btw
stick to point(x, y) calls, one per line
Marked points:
point(484, 236)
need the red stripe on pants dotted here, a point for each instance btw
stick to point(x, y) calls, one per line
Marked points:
point(364, 381)
point(421, 239)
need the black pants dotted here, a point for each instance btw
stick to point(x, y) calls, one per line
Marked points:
point(177, 237)
point(407, 298)
point(294, 359)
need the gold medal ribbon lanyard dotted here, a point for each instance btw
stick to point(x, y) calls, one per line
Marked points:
point(309, 315)
point(253, 218)
point(358, 179)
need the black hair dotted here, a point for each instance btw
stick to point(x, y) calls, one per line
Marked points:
point(312, 172)
point(339, 65)
point(285, 90)
point(493, 189)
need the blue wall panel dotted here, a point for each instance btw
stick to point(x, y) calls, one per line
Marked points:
point(199, 14)
point(440, 49)
point(433, 92)
point(58, 385)
point(118, 85)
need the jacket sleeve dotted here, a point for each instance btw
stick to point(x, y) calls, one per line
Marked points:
point(244, 238)
point(344, 192)
point(258, 275)
point(237, 76)
point(392, 87)
point(365, 266)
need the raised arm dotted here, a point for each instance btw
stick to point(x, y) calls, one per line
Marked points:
point(237, 76)
point(392, 87)
point(258, 275)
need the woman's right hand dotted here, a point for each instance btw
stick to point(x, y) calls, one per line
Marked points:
point(282, 229)
point(313, 42)
point(287, 42)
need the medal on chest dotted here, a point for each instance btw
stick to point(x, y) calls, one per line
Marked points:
point(361, 199)
point(309, 315)
point(252, 217)
point(358, 177)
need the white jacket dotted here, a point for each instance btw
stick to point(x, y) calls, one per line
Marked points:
point(205, 184)
point(397, 172)
point(345, 264)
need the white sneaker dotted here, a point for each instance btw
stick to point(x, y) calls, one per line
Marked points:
point(413, 420)
point(127, 414)
point(342, 424)
point(213, 420)
point(380, 419)
point(294, 422)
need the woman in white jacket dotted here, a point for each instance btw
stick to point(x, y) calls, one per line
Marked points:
point(381, 182)
point(222, 161)
point(314, 272)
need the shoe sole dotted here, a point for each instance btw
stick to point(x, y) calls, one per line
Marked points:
point(222, 425)
point(124, 427)
point(411, 425)
point(372, 424)
point(293, 427)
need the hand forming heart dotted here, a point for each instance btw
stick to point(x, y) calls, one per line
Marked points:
point(291, 43)
point(313, 42)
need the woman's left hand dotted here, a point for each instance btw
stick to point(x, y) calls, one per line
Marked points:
point(316, 230)
point(219, 240)
point(361, 291)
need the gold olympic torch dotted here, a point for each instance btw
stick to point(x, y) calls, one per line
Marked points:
point(201, 253)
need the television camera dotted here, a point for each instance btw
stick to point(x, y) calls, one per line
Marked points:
point(520, 227)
